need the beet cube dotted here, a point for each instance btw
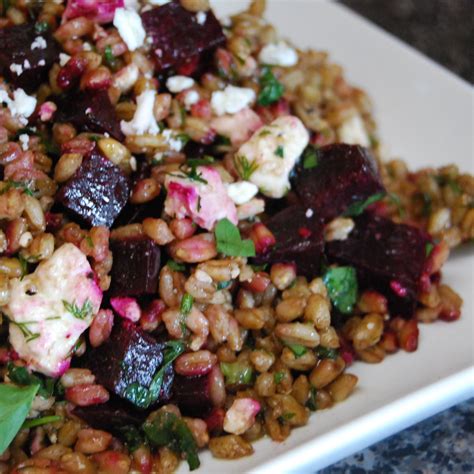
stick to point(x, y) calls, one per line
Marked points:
point(178, 40)
point(89, 112)
point(111, 416)
point(344, 175)
point(193, 395)
point(97, 191)
point(136, 267)
point(129, 356)
point(388, 257)
point(20, 64)
point(299, 240)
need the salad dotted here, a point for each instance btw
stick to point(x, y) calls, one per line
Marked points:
point(200, 233)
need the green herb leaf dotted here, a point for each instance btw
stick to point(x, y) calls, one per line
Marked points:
point(204, 161)
point(341, 283)
point(229, 241)
point(109, 57)
point(285, 417)
point(270, 89)
point(396, 200)
point(357, 208)
point(15, 404)
point(297, 349)
point(310, 157)
point(326, 353)
point(245, 168)
point(278, 377)
point(312, 403)
point(44, 420)
point(186, 304)
point(79, 313)
point(222, 285)
point(280, 151)
point(26, 330)
point(21, 376)
point(166, 429)
point(132, 436)
point(175, 266)
point(41, 27)
point(25, 186)
point(236, 373)
point(428, 249)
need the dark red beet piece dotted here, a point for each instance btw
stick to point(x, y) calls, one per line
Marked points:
point(388, 257)
point(345, 174)
point(15, 48)
point(110, 416)
point(177, 39)
point(192, 395)
point(129, 356)
point(97, 191)
point(299, 240)
point(136, 267)
point(89, 111)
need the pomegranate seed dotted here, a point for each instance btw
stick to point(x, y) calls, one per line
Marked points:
point(304, 232)
point(258, 283)
point(87, 394)
point(201, 109)
point(215, 420)
point(449, 314)
point(189, 67)
point(262, 237)
point(70, 72)
point(408, 336)
point(398, 289)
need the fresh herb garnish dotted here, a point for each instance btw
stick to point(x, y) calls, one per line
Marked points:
point(428, 249)
point(132, 436)
point(283, 418)
point(175, 266)
point(222, 285)
point(311, 402)
point(326, 353)
point(186, 304)
point(109, 57)
point(41, 27)
point(28, 334)
point(190, 172)
point(143, 397)
point(357, 208)
point(205, 160)
point(15, 404)
point(44, 420)
point(236, 373)
point(278, 377)
point(270, 89)
point(21, 376)
point(25, 186)
point(341, 283)
point(280, 151)
point(396, 200)
point(229, 241)
point(310, 157)
point(79, 313)
point(166, 429)
point(245, 168)
point(297, 349)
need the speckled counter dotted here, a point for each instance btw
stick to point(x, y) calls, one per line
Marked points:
point(444, 443)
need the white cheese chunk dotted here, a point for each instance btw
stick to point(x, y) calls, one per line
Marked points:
point(268, 157)
point(191, 98)
point(158, 2)
point(278, 54)
point(21, 106)
point(201, 17)
point(130, 28)
point(38, 43)
point(63, 59)
point(242, 191)
point(177, 84)
point(231, 100)
point(143, 120)
point(353, 132)
point(50, 308)
point(24, 140)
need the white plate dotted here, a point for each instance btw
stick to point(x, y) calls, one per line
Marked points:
point(425, 117)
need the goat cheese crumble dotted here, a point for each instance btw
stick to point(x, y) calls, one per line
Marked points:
point(63, 59)
point(130, 28)
point(38, 43)
point(201, 17)
point(143, 120)
point(278, 54)
point(231, 100)
point(353, 132)
point(242, 191)
point(177, 84)
point(22, 105)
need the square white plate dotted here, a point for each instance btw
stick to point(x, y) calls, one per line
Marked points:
point(425, 115)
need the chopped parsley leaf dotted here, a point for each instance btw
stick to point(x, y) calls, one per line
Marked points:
point(229, 241)
point(280, 151)
point(79, 313)
point(341, 283)
point(310, 157)
point(244, 167)
point(270, 89)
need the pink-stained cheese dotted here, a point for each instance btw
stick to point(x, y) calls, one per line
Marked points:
point(100, 11)
point(205, 200)
point(126, 307)
point(238, 127)
point(50, 308)
point(241, 415)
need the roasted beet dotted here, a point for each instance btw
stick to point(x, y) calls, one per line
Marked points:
point(89, 111)
point(192, 395)
point(111, 416)
point(344, 175)
point(299, 240)
point(97, 191)
point(129, 356)
point(136, 267)
point(177, 39)
point(388, 257)
point(29, 50)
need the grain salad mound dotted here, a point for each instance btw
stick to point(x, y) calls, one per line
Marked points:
point(198, 233)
